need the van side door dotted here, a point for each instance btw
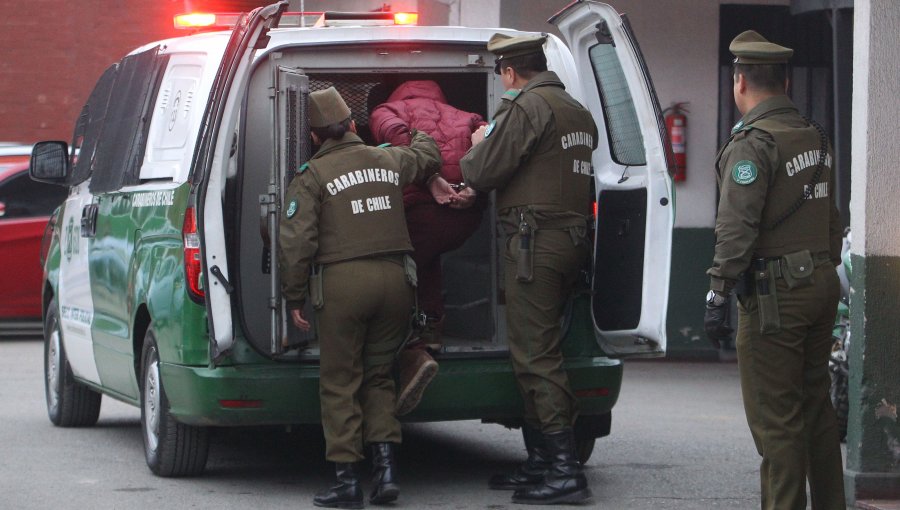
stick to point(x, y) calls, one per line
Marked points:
point(633, 188)
point(73, 292)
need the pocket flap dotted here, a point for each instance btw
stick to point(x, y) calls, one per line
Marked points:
point(799, 264)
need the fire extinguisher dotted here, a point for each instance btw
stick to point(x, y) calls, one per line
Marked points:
point(676, 125)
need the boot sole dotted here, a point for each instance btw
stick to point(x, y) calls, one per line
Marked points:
point(388, 493)
point(511, 487)
point(409, 398)
point(353, 505)
point(582, 496)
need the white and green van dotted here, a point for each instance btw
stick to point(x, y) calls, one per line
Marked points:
point(160, 285)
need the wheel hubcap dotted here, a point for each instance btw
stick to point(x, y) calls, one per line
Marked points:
point(53, 369)
point(151, 405)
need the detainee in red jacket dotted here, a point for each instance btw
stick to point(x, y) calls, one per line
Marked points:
point(433, 228)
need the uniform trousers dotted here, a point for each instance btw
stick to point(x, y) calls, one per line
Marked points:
point(785, 385)
point(533, 312)
point(365, 318)
point(435, 229)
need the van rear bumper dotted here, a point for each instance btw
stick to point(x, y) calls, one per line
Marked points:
point(281, 393)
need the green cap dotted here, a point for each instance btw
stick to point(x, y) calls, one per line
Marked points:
point(751, 48)
point(507, 46)
point(327, 107)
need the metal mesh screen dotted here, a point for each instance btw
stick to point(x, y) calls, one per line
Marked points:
point(354, 89)
point(626, 140)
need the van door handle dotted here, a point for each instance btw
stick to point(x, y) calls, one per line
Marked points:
point(89, 220)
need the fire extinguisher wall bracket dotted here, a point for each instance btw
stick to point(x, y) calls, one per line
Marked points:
point(676, 125)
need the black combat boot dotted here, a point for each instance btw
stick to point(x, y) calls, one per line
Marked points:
point(346, 493)
point(529, 473)
point(384, 474)
point(564, 482)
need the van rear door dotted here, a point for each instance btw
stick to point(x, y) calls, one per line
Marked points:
point(633, 188)
point(211, 160)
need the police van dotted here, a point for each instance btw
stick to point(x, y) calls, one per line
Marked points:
point(161, 287)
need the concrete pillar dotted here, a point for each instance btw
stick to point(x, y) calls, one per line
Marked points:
point(873, 438)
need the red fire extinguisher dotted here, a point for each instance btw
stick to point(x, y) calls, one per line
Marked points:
point(676, 125)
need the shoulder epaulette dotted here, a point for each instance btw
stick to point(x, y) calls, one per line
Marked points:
point(384, 145)
point(511, 94)
point(303, 167)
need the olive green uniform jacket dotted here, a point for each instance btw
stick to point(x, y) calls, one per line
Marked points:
point(761, 181)
point(347, 203)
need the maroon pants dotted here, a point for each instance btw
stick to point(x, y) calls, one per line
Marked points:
point(435, 229)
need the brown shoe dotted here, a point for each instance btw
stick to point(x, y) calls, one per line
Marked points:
point(417, 369)
point(431, 334)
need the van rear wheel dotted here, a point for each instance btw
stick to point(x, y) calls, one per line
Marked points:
point(172, 449)
point(69, 403)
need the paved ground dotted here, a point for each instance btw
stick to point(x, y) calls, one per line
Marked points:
point(679, 441)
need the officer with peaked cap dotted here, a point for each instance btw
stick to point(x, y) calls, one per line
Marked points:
point(778, 240)
point(527, 153)
point(343, 222)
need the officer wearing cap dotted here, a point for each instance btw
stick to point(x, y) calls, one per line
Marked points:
point(536, 154)
point(343, 224)
point(778, 240)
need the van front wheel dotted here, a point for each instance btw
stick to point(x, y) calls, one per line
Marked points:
point(69, 403)
point(172, 449)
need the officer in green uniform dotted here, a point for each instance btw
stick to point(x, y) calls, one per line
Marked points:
point(778, 240)
point(536, 153)
point(344, 223)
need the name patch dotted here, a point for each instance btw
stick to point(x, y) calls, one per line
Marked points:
point(577, 138)
point(363, 176)
point(371, 204)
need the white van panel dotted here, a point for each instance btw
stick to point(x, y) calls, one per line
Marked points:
point(176, 117)
point(76, 304)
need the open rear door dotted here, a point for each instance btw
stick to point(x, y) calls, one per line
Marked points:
point(634, 192)
point(210, 160)
point(292, 150)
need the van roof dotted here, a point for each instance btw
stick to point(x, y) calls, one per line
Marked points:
point(215, 41)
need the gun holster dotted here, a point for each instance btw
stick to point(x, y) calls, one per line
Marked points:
point(764, 274)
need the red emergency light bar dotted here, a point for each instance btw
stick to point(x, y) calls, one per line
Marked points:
point(208, 20)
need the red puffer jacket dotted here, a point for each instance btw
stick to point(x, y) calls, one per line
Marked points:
point(420, 104)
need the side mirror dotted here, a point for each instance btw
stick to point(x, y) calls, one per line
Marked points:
point(50, 162)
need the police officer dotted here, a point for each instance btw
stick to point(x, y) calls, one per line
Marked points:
point(344, 219)
point(778, 240)
point(536, 153)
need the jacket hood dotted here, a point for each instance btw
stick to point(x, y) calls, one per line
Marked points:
point(418, 89)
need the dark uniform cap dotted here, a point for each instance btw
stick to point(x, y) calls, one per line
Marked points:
point(751, 48)
point(327, 107)
point(507, 46)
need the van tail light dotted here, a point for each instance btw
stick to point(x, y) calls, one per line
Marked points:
point(193, 267)
point(195, 20)
point(592, 393)
point(406, 18)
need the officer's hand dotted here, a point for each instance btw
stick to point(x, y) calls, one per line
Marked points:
point(478, 135)
point(715, 320)
point(301, 323)
point(441, 190)
point(464, 199)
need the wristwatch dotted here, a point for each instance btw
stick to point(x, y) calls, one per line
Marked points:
point(713, 298)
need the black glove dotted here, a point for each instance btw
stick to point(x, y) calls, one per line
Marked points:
point(716, 319)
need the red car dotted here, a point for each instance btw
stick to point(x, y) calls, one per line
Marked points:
point(25, 208)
